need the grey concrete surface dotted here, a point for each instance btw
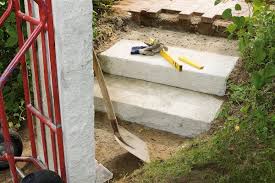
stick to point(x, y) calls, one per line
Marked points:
point(212, 79)
point(162, 107)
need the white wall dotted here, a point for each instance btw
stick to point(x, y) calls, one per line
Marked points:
point(73, 34)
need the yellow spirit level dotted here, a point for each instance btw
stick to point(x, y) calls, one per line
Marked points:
point(191, 63)
point(168, 58)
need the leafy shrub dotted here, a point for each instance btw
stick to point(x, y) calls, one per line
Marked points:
point(13, 91)
point(256, 36)
point(100, 7)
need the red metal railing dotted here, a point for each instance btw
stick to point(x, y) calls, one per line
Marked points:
point(42, 27)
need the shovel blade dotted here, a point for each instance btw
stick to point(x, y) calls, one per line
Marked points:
point(135, 146)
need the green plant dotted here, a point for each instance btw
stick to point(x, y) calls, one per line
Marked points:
point(256, 36)
point(13, 91)
point(95, 29)
point(100, 7)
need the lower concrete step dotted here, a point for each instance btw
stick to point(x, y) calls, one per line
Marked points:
point(102, 173)
point(162, 107)
point(212, 79)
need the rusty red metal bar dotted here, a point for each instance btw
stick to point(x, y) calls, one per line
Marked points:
point(47, 115)
point(37, 86)
point(55, 88)
point(29, 19)
point(36, 162)
point(42, 118)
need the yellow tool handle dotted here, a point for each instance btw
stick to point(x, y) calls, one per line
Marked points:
point(168, 58)
point(191, 63)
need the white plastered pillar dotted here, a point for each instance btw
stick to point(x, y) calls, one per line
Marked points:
point(73, 40)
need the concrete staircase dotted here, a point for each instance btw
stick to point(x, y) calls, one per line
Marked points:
point(149, 91)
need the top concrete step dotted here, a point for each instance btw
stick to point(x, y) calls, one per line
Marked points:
point(212, 79)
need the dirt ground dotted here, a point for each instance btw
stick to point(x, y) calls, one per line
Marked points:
point(161, 146)
point(127, 30)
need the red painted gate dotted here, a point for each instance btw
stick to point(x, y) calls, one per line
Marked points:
point(44, 28)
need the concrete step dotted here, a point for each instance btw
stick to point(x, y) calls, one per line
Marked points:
point(102, 173)
point(162, 107)
point(212, 79)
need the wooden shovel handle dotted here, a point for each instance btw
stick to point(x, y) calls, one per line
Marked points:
point(105, 93)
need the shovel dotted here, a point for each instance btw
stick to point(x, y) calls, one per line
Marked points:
point(127, 140)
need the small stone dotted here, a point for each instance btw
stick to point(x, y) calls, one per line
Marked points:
point(125, 28)
point(118, 22)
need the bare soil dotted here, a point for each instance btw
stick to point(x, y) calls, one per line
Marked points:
point(112, 31)
point(108, 152)
point(161, 146)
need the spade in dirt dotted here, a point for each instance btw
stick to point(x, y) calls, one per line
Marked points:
point(127, 140)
